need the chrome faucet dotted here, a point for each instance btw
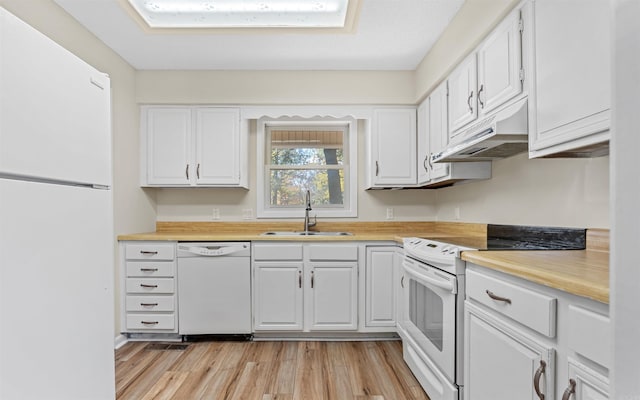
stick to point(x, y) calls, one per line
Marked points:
point(307, 222)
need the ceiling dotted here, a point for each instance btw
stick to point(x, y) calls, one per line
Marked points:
point(387, 35)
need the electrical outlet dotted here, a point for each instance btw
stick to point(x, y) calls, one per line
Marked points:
point(247, 213)
point(216, 213)
point(389, 213)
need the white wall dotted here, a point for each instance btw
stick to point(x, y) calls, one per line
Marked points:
point(134, 210)
point(553, 192)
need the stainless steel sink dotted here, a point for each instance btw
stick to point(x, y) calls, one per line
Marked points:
point(310, 233)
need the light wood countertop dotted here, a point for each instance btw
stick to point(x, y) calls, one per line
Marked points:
point(581, 272)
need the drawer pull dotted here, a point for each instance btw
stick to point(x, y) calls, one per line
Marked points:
point(498, 298)
point(148, 286)
point(571, 389)
point(536, 379)
point(149, 304)
point(148, 253)
point(149, 322)
point(149, 269)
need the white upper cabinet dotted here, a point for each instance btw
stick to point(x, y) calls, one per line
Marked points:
point(192, 146)
point(393, 147)
point(217, 141)
point(500, 71)
point(424, 147)
point(572, 96)
point(489, 77)
point(462, 95)
point(438, 129)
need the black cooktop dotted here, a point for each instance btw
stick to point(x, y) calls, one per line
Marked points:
point(517, 237)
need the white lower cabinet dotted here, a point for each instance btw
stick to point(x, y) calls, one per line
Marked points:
point(512, 326)
point(381, 275)
point(149, 281)
point(305, 287)
point(503, 363)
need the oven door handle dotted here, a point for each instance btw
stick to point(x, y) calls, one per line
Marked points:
point(445, 284)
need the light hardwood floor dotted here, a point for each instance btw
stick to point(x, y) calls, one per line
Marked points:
point(269, 370)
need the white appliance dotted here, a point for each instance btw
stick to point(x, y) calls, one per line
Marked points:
point(56, 222)
point(431, 324)
point(214, 288)
point(499, 135)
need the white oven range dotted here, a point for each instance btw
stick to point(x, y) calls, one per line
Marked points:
point(431, 323)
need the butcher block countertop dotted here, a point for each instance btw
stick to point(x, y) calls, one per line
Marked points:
point(361, 231)
point(581, 272)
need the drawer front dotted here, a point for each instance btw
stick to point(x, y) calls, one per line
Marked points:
point(277, 252)
point(589, 335)
point(150, 251)
point(333, 253)
point(150, 303)
point(530, 308)
point(142, 285)
point(150, 269)
point(151, 322)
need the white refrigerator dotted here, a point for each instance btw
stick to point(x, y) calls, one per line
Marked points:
point(56, 222)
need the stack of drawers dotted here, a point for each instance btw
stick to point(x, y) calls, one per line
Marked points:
point(150, 300)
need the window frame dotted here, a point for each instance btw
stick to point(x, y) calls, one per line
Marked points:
point(350, 150)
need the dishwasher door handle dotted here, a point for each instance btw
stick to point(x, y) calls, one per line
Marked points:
point(213, 251)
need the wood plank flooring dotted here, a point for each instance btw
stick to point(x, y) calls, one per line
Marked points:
point(271, 370)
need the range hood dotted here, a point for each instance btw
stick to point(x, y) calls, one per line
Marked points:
point(500, 135)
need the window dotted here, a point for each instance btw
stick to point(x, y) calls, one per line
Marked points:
point(296, 156)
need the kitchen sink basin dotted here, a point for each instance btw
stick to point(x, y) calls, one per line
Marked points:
point(310, 233)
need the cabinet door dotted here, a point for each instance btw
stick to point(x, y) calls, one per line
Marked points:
point(585, 383)
point(462, 95)
point(499, 65)
point(394, 147)
point(424, 149)
point(438, 132)
point(573, 88)
point(500, 363)
point(217, 146)
point(380, 289)
point(169, 146)
point(332, 296)
point(277, 300)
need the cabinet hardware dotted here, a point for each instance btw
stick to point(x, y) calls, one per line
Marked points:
point(571, 389)
point(149, 322)
point(148, 253)
point(186, 171)
point(96, 83)
point(149, 269)
point(536, 379)
point(469, 102)
point(377, 168)
point(498, 298)
point(312, 279)
point(424, 163)
point(402, 281)
point(198, 171)
point(480, 98)
point(148, 286)
point(299, 279)
point(149, 304)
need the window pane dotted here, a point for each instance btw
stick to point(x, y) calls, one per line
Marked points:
point(289, 187)
point(306, 156)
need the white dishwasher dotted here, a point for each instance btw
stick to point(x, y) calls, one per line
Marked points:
point(214, 288)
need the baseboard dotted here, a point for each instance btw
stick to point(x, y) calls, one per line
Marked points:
point(120, 341)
